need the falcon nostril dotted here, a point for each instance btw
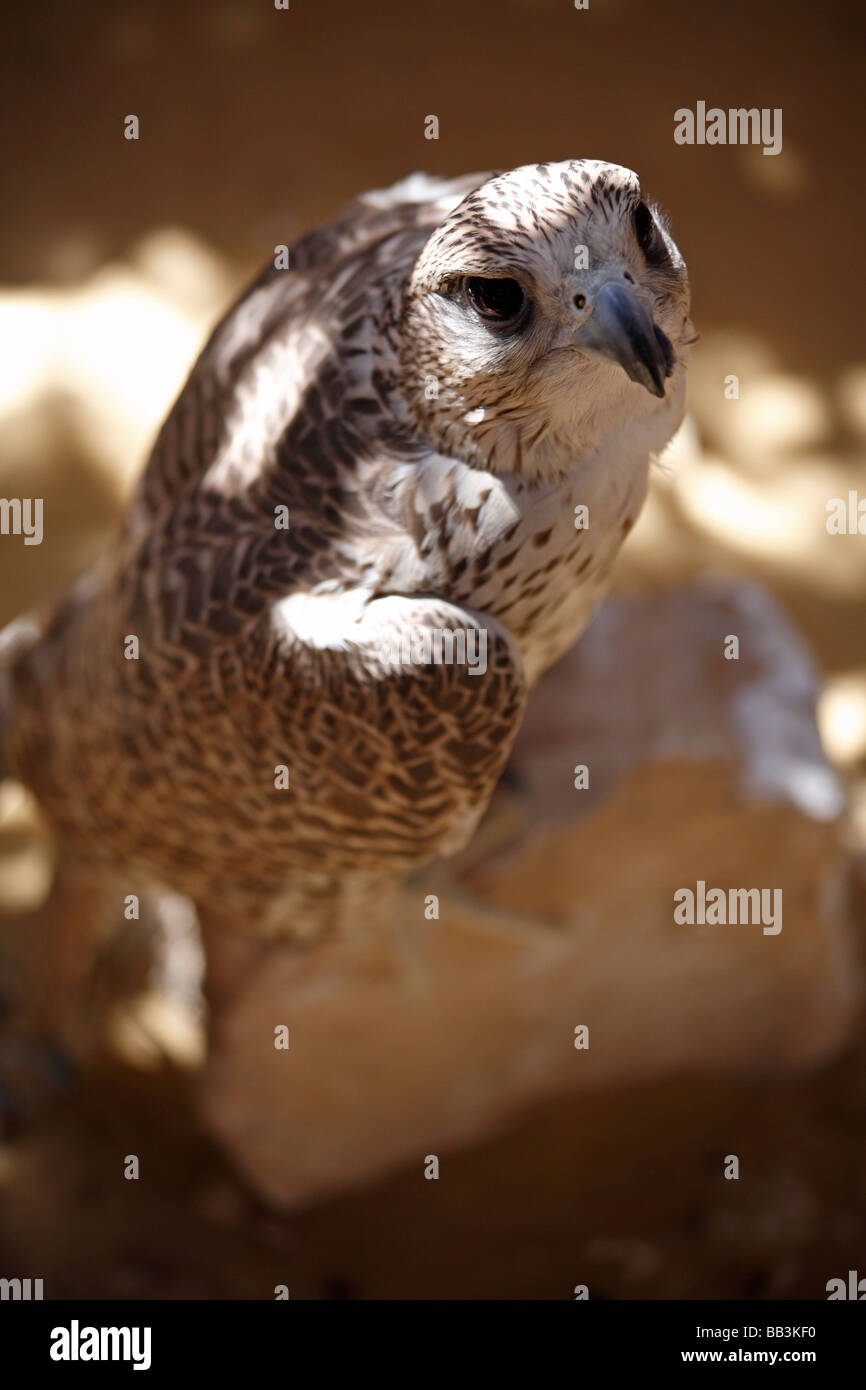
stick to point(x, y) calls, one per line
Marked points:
point(626, 275)
point(579, 301)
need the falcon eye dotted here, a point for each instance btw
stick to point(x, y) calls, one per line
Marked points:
point(500, 301)
point(644, 226)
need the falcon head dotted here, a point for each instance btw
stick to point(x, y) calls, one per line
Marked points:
point(548, 311)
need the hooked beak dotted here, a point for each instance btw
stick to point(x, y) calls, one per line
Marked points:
point(620, 330)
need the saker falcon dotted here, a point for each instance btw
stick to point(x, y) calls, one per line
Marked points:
point(395, 434)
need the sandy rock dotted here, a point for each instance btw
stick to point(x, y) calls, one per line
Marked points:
point(560, 916)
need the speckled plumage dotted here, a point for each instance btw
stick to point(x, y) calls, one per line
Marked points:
point(341, 388)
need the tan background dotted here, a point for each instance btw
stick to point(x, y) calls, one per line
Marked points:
point(115, 256)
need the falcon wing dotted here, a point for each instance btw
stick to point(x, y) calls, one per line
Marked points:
point(286, 319)
point(392, 754)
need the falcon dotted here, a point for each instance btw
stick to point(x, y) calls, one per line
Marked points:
point(438, 419)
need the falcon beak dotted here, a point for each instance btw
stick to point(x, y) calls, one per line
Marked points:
point(620, 329)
